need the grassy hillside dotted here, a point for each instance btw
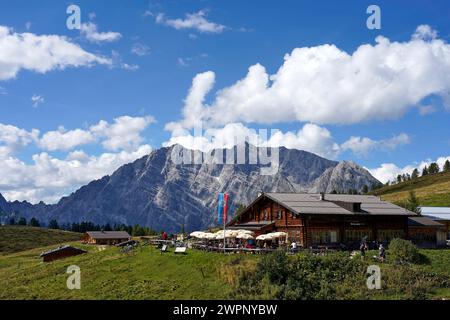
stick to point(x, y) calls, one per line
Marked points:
point(110, 274)
point(20, 238)
point(146, 274)
point(432, 190)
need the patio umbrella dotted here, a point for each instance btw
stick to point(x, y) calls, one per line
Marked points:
point(278, 234)
point(207, 235)
point(246, 231)
point(264, 237)
point(197, 234)
point(244, 236)
point(219, 237)
point(231, 233)
point(228, 234)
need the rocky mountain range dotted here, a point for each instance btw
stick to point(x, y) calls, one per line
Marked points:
point(157, 192)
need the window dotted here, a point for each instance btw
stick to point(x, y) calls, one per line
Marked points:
point(324, 236)
point(294, 235)
point(279, 214)
point(388, 235)
point(358, 235)
point(333, 236)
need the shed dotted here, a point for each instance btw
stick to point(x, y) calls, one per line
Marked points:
point(61, 253)
point(106, 237)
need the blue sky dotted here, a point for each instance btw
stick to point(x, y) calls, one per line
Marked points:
point(144, 92)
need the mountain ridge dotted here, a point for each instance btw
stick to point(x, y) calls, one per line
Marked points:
point(156, 192)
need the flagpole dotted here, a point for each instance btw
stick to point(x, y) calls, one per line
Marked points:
point(224, 218)
point(224, 235)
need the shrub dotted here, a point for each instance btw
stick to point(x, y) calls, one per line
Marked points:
point(275, 266)
point(403, 251)
point(278, 276)
point(333, 276)
point(407, 283)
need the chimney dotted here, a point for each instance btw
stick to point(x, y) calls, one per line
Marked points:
point(322, 196)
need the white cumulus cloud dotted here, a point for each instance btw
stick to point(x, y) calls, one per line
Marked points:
point(326, 85)
point(363, 146)
point(196, 21)
point(36, 100)
point(48, 178)
point(13, 138)
point(40, 53)
point(124, 133)
point(140, 49)
point(310, 137)
point(90, 31)
point(389, 171)
point(65, 140)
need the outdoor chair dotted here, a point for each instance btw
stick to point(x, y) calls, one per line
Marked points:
point(181, 250)
point(163, 248)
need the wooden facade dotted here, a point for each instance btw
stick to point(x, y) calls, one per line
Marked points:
point(427, 233)
point(440, 215)
point(324, 229)
point(106, 237)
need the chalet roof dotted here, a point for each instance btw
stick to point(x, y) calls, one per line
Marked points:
point(62, 248)
point(310, 203)
point(436, 213)
point(424, 222)
point(108, 234)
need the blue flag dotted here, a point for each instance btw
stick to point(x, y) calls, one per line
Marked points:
point(220, 208)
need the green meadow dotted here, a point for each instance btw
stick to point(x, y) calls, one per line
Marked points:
point(111, 274)
point(21, 238)
point(145, 273)
point(431, 190)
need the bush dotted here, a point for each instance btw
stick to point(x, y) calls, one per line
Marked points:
point(274, 266)
point(403, 251)
point(407, 283)
point(278, 276)
point(334, 276)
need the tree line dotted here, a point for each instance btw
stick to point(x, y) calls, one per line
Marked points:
point(82, 227)
point(364, 190)
point(432, 169)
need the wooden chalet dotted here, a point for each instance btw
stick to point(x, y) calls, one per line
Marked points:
point(426, 232)
point(438, 214)
point(325, 220)
point(106, 237)
point(61, 253)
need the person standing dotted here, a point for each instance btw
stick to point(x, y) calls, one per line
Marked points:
point(294, 247)
point(362, 250)
point(382, 253)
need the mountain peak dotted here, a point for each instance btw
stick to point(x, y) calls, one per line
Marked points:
point(3, 203)
point(156, 192)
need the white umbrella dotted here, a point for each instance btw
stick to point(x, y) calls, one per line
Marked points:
point(244, 236)
point(262, 237)
point(278, 234)
point(246, 231)
point(197, 234)
point(231, 233)
point(207, 235)
point(227, 234)
point(219, 237)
